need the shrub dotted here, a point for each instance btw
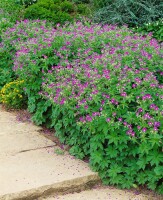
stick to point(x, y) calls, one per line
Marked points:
point(156, 28)
point(100, 3)
point(37, 12)
point(131, 12)
point(96, 86)
point(25, 3)
point(46, 9)
point(56, 8)
point(67, 6)
point(12, 94)
point(57, 1)
point(48, 4)
point(62, 18)
point(81, 1)
point(83, 9)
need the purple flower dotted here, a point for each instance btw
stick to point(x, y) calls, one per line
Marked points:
point(125, 123)
point(62, 101)
point(147, 96)
point(123, 94)
point(103, 102)
point(152, 106)
point(156, 108)
point(120, 119)
point(150, 123)
point(155, 129)
point(147, 116)
point(133, 134)
point(134, 85)
point(144, 130)
point(88, 118)
point(108, 119)
point(140, 110)
point(157, 124)
point(86, 107)
point(82, 119)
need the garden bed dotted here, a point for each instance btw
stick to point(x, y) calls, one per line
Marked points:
point(100, 87)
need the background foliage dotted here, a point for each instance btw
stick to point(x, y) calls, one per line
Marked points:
point(156, 28)
point(130, 12)
point(56, 11)
point(25, 3)
point(9, 10)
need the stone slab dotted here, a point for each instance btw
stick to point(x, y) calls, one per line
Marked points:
point(39, 170)
point(11, 144)
point(29, 165)
point(104, 194)
point(16, 136)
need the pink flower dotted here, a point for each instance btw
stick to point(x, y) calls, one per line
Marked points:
point(88, 118)
point(86, 107)
point(144, 130)
point(123, 94)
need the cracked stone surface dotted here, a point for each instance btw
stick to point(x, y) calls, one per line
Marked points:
point(17, 137)
point(29, 164)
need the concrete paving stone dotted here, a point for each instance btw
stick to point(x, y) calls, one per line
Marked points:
point(10, 144)
point(17, 136)
point(103, 194)
point(29, 166)
point(34, 169)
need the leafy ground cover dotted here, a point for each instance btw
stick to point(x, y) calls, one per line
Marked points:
point(100, 87)
point(102, 94)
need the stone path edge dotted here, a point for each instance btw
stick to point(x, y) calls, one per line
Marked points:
point(73, 185)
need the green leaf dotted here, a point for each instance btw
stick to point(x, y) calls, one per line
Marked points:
point(113, 138)
point(111, 151)
point(155, 158)
point(142, 162)
point(159, 170)
point(114, 170)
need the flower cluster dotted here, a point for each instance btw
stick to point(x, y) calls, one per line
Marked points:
point(117, 83)
point(12, 94)
point(102, 94)
point(95, 72)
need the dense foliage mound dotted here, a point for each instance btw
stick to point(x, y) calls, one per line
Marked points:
point(100, 88)
point(58, 11)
